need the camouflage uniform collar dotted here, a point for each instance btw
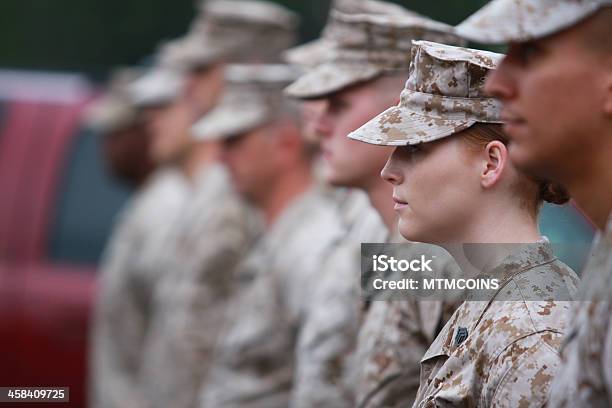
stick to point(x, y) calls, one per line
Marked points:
point(471, 312)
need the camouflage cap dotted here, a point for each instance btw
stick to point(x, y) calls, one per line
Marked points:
point(236, 31)
point(159, 86)
point(114, 110)
point(368, 46)
point(318, 51)
point(502, 21)
point(253, 96)
point(444, 95)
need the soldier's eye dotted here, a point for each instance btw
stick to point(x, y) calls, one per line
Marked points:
point(409, 152)
point(526, 52)
point(337, 105)
point(414, 149)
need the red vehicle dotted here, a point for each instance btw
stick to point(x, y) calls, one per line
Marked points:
point(56, 209)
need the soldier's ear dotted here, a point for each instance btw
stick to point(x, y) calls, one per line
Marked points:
point(495, 161)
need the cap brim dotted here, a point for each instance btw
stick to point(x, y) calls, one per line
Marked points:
point(504, 21)
point(331, 77)
point(157, 87)
point(108, 114)
point(226, 121)
point(398, 126)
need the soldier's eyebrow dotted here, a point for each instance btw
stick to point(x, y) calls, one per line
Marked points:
point(338, 101)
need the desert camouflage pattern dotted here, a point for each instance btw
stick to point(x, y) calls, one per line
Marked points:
point(114, 110)
point(256, 362)
point(367, 46)
point(585, 379)
point(253, 96)
point(190, 299)
point(318, 51)
point(444, 95)
point(159, 86)
point(328, 335)
point(128, 276)
point(236, 31)
point(393, 338)
point(503, 353)
point(502, 21)
point(326, 347)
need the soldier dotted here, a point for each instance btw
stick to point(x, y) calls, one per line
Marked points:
point(125, 139)
point(558, 66)
point(369, 58)
point(129, 270)
point(452, 181)
point(270, 165)
point(210, 239)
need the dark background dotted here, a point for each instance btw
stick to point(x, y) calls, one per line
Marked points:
point(91, 36)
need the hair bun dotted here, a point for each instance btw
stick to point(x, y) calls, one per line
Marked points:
point(553, 193)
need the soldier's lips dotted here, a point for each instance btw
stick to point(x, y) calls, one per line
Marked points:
point(512, 123)
point(399, 204)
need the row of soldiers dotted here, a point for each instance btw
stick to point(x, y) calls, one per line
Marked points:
point(233, 277)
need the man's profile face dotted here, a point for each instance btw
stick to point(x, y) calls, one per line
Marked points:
point(204, 88)
point(553, 90)
point(169, 129)
point(347, 162)
point(251, 160)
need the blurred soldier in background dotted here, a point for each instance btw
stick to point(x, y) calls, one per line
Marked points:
point(369, 57)
point(559, 65)
point(129, 271)
point(270, 165)
point(209, 238)
point(125, 141)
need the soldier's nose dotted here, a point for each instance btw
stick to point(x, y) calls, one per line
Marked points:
point(499, 82)
point(391, 173)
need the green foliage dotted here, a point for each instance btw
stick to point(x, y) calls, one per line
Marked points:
point(94, 35)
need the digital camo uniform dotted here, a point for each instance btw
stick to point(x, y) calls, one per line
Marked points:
point(503, 352)
point(255, 362)
point(129, 273)
point(383, 369)
point(209, 239)
point(128, 276)
point(584, 378)
point(490, 353)
point(328, 338)
point(191, 298)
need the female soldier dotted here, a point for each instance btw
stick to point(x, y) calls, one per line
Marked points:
point(453, 184)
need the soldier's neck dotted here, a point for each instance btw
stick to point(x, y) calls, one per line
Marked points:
point(288, 187)
point(592, 191)
point(200, 156)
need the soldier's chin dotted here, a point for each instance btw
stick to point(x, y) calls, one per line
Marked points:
point(340, 179)
point(527, 160)
point(409, 230)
